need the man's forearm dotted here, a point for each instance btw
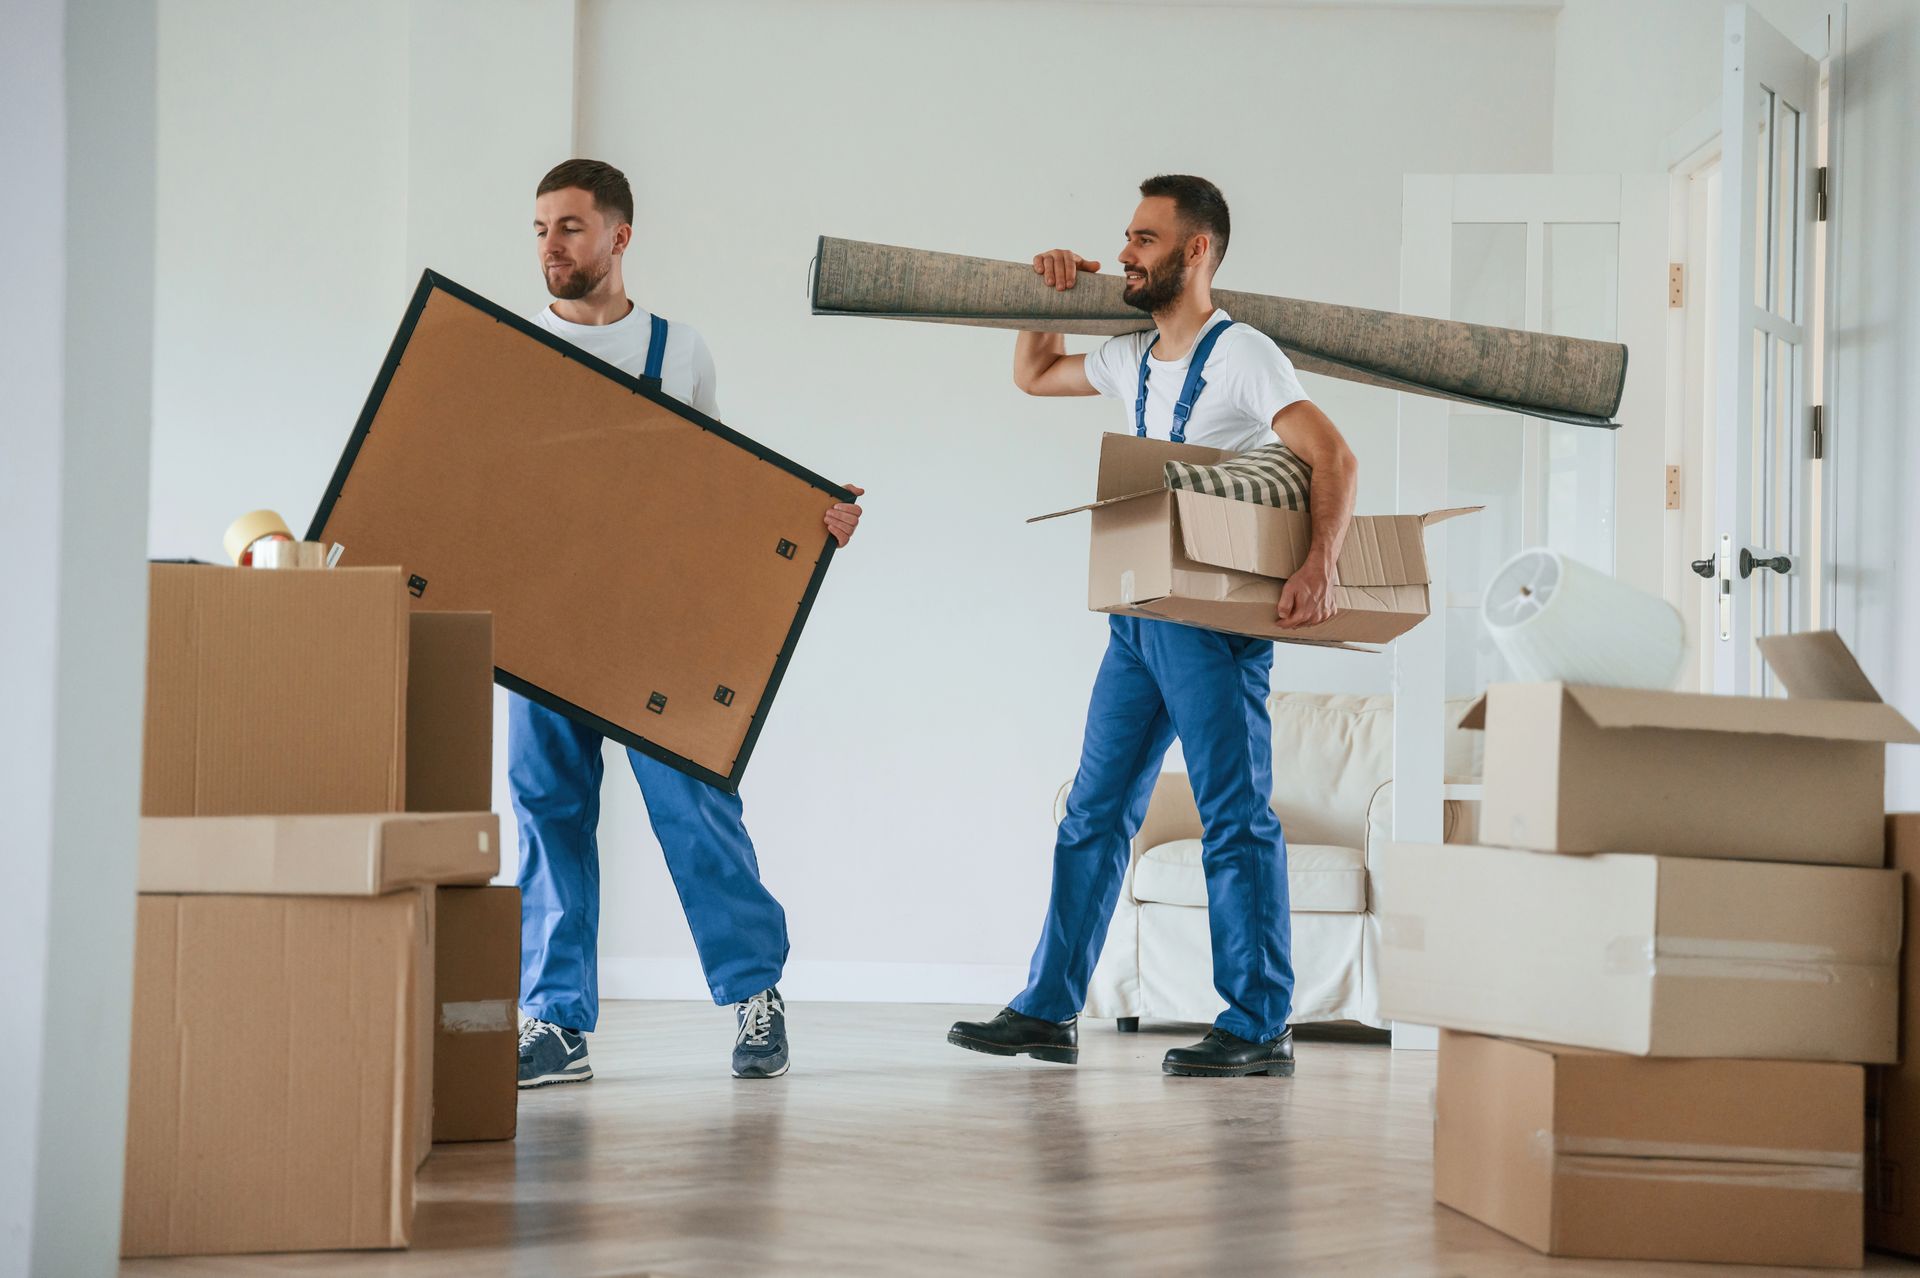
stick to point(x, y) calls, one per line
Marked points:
point(1034, 354)
point(1330, 494)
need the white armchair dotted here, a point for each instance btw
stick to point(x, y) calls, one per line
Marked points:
point(1333, 792)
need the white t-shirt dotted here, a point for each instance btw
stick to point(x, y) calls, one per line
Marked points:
point(686, 373)
point(1248, 377)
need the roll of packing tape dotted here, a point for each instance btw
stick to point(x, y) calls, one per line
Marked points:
point(278, 553)
point(250, 528)
point(1555, 618)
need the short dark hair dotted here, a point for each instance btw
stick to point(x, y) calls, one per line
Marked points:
point(608, 185)
point(1199, 203)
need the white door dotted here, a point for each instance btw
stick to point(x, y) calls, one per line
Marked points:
point(1582, 256)
point(1576, 255)
point(1765, 435)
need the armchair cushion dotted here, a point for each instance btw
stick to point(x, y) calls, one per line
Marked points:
point(1321, 878)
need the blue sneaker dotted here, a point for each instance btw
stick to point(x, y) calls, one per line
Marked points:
point(760, 1049)
point(550, 1054)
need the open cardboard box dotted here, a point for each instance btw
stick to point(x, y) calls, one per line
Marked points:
point(1800, 778)
point(1218, 563)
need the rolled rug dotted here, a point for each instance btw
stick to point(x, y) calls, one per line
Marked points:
point(1557, 620)
point(1564, 379)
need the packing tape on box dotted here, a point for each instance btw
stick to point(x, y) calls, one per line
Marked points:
point(1561, 1143)
point(290, 554)
point(243, 532)
point(1720, 960)
point(1555, 619)
point(1683, 1171)
point(485, 1016)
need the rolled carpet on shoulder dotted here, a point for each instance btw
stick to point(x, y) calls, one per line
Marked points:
point(1565, 379)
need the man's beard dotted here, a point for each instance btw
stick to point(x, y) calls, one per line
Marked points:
point(583, 280)
point(1162, 288)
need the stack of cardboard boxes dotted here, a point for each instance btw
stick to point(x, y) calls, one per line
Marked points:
point(324, 984)
point(1659, 990)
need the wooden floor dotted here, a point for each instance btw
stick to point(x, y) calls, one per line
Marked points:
point(887, 1152)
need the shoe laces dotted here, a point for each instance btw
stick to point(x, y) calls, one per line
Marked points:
point(756, 1018)
point(534, 1028)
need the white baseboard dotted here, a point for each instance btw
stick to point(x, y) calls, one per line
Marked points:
point(1415, 1038)
point(824, 981)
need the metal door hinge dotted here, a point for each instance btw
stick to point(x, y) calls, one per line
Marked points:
point(1820, 194)
point(1676, 285)
point(1673, 488)
point(1819, 433)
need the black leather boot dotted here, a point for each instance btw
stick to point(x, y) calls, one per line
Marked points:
point(1224, 1055)
point(1011, 1034)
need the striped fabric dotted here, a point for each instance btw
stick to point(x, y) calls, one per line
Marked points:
point(1269, 476)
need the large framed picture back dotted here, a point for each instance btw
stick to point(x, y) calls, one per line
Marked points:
point(649, 570)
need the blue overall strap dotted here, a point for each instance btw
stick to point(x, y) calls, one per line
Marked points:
point(657, 348)
point(1189, 393)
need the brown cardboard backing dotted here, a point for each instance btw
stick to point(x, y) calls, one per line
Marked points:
point(647, 569)
point(477, 987)
point(271, 1103)
point(274, 692)
point(450, 712)
point(1581, 1153)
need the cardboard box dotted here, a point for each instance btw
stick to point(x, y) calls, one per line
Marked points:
point(275, 692)
point(347, 855)
point(1893, 1093)
point(476, 1091)
point(1652, 956)
point(272, 1103)
point(1582, 1153)
point(1220, 564)
point(450, 712)
point(1577, 769)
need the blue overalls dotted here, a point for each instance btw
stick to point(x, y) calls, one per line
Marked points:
point(555, 766)
point(1161, 680)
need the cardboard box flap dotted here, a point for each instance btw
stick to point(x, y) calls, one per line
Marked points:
point(1817, 666)
point(1380, 550)
point(1707, 712)
point(1242, 535)
point(1767, 716)
point(1131, 467)
point(1095, 505)
point(1132, 463)
point(1433, 517)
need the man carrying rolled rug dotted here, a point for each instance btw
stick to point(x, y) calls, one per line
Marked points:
point(1196, 377)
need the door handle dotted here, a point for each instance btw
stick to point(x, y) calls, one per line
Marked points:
point(1749, 561)
point(1704, 567)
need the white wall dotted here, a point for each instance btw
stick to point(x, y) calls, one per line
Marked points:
point(76, 145)
point(281, 267)
point(901, 795)
point(1877, 386)
point(1627, 73)
point(1631, 72)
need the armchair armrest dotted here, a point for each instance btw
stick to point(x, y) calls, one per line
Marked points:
point(1458, 822)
